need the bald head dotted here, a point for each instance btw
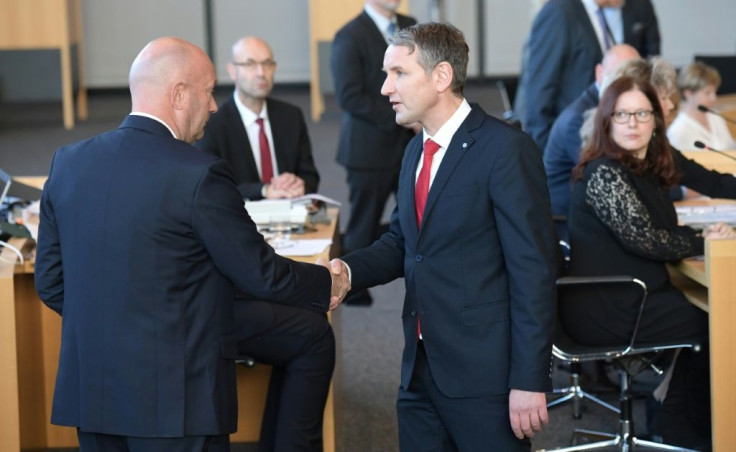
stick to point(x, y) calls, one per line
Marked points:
point(252, 68)
point(169, 79)
point(613, 59)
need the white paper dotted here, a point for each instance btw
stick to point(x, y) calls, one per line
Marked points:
point(307, 247)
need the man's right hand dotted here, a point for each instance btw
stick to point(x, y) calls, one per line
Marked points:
point(340, 281)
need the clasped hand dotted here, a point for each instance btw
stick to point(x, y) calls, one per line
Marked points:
point(285, 185)
point(340, 280)
point(719, 231)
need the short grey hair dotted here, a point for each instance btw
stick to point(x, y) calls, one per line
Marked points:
point(437, 43)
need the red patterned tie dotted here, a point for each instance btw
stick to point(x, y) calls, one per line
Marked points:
point(422, 189)
point(266, 164)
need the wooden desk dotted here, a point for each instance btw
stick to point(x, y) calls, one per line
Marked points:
point(710, 284)
point(30, 337)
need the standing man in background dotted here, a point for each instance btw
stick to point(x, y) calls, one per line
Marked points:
point(371, 143)
point(142, 240)
point(265, 140)
point(472, 236)
point(568, 38)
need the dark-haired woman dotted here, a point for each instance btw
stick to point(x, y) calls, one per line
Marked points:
point(621, 221)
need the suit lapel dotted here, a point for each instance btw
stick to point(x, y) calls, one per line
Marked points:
point(279, 132)
point(461, 143)
point(582, 16)
point(409, 191)
point(238, 138)
point(372, 29)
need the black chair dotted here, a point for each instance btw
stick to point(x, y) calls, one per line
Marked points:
point(631, 358)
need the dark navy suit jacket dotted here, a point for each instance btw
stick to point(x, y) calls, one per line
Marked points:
point(225, 137)
point(481, 271)
point(562, 53)
point(141, 242)
point(370, 139)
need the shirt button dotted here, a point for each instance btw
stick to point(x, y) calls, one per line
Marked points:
point(418, 258)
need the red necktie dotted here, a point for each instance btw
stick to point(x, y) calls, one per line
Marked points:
point(266, 164)
point(422, 189)
point(421, 192)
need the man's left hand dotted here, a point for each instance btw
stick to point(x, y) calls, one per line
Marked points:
point(527, 412)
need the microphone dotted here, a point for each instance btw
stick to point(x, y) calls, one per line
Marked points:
point(705, 109)
point(701, 145)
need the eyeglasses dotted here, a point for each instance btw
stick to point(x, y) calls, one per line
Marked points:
point(251, 65)
point(623, 117)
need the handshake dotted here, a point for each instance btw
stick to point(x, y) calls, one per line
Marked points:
point(340, 280)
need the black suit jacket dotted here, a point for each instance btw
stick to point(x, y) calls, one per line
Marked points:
point(563, 51)
point(370, 139)
point(225, 137)
point(481, 271)
point(141, 242)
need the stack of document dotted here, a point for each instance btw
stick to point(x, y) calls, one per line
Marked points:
point(262, 212)
point(699, 217)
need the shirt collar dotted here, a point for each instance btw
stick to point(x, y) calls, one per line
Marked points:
point(380, 20)
point(155, 118)
point(444, 135)
point(246, 114)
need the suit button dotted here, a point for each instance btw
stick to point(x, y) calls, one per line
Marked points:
point(413, 313)
point(418, 258)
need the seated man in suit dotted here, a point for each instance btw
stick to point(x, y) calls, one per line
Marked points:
point(267, 144)
point(264, 140)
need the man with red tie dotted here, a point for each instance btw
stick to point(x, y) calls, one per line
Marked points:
point(264, 140)
point(266, 143)
point(472, 235)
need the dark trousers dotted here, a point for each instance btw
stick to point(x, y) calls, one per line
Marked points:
point(429, 421)
point(300, 346)
point(369, 191)
point(99, 442)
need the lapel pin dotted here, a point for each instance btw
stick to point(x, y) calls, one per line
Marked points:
point(465, 145)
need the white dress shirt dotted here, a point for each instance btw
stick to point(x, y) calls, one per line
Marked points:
point(613, 18)
point(381, 22)
point(443, 137)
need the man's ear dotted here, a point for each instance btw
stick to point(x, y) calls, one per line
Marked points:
point(443, 76)
point(178, 95)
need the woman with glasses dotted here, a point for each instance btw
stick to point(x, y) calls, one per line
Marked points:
point(622, 222)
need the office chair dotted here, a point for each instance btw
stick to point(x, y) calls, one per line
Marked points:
point(574, 392)
point(631, 358)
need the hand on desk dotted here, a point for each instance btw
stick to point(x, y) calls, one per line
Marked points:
point(340, 281)
point(285, 185)
point(719, 231)
point(527, 412)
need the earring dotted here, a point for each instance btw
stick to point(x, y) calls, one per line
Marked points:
point(654, 134)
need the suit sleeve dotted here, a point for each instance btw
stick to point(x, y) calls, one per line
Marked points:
point(241, 253)
point(518, 190)
point(351, 86)
point(707, 182)
point(381, 262)
point(652, 32)
point(306, 170)
point(49, 273)
point(541, 77)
